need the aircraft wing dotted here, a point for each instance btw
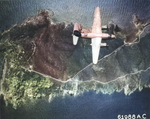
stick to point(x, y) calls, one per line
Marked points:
point(75, 40)
point(96, 42)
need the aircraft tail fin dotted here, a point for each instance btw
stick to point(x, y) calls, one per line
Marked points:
point(75, 40)
point(96, 43)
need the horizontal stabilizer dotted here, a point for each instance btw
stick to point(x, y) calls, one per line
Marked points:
point(104, 44)
point(104, 27)
point(75, 40)
point(96, 43)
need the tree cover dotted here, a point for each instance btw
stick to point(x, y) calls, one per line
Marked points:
point(18, 84)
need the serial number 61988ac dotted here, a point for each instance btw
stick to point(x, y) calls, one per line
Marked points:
point(132, 116)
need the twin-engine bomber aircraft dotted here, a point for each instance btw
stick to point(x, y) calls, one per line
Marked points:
point(95, 33)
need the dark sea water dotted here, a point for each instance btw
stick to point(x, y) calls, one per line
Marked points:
point(89, 105)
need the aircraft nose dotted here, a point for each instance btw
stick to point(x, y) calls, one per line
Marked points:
point(97, 8)
point(97, 12)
